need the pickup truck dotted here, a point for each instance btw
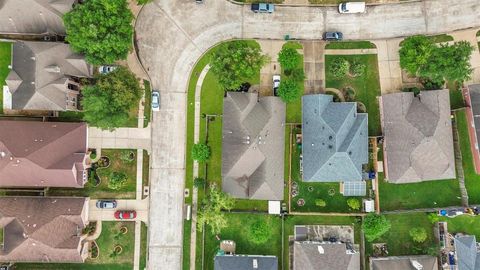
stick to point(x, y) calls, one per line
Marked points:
point(263, 8)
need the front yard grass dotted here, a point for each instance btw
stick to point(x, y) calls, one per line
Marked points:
point(350, 45)
point(143, 246)
point(440, 38)
point(146, 170)
point(5, 61)
point(238, 231)
point(147, 112)
point(294, 108)
point(129, 168)
point(366, 86)
point(456, 96)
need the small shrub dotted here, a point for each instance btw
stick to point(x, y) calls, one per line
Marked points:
point(127, 156)
point(117, 180)
point(415, 90)
point(289, 58)
point(357, 69)
point(259, 232)
point(375, 226)
point(353, 203)
point(339, 67)
point(199, 182)
point(200, 152)
point(90, 228)
point(418, 235)
point(320, 203)
point(289, 90)
point(433, 217)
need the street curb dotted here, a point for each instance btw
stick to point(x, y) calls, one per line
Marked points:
point(326, 5)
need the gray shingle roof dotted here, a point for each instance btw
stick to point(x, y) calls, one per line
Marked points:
point(253, 146)
point(474, 91)
point(403, 263)
point(39, 76)
point(467, 254)
point(33, 16)
point(418, 136)
point(324, 256)
point(245, 262)
point(335, 140)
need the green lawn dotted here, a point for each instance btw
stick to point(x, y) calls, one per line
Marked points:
point(294, 109)
point(472, 179)
point(187, 230)
point(146, 169)
point(143, 247)
point(238, 231)
point(350, 45)
point(102, 191)
point(428, 194)
point(70, 116)
point(456, 96)
point(5, 61)
point(464, 224)
point(367, 86)
point(148, 103)
point(398, 239)
point(441, 38)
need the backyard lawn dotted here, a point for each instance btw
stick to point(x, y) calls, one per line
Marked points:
point(118, 163)
point(5, 61)
point(472, 179)
point(366, 86)
point(238, 231)
point(464, 224)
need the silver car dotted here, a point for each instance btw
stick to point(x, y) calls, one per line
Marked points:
point(106, 204)
point(155, 101)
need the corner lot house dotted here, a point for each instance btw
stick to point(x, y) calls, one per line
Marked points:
point(39, 229)
point(423, 262)
point(33, 16)
point(253, 146)
point(335, 142)
point(245, 262)
point(418, 136)
point(44, 76)
point(43, 154)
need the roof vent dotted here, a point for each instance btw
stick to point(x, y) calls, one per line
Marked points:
point(255, 264)
point(330, 137)
point(2, 154)
point(321, 250)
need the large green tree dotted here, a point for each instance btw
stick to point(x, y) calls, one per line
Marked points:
point(235, 62)
point(107, 103)
point(289, 90)
point(289, 58)
point(375, 226)
point(415, 53)
point(211, 210)
point(200, 152)
point(100, 29)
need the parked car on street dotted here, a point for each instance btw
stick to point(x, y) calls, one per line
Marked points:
point(352, 7)
point(333, 36)
point(155, 101)
point(276, 84)
point(263, 8)
point(106, 69)
point(106, 204)
point(125, 214)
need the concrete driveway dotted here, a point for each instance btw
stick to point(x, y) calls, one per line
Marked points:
point(173, 34)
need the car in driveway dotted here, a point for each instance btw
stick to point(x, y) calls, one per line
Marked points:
point(276, 84)
point(263, 8)
point(106, 69)
point(333, 36)
point(155, 101)
point(106, 204)
point(125, 214)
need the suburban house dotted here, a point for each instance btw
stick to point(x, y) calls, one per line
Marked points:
point(44, 76)
point(33, 16)
point(40, 229)
point(318, 247)
point(38, 154)
point(418, 136)
point(472, 100)
point(253, 146)
point(467, 252)
point(245, 262)
point(420, 262)
point(334, 143)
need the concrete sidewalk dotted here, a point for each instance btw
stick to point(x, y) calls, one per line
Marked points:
point(120, 138)
point(389, 69)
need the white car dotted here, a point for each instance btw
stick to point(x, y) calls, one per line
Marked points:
point(106, 69)
point(155, 101)
point(352, 7)
point(276, 84)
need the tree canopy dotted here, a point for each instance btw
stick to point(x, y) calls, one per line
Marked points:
point(235, 62)
point(100, 29)
point(375, 226)
point(211, 210)
point(289, 58)
point(415, 53)
point(289, 90)
point(200, 152)
point(107, 103)
point(353, 203)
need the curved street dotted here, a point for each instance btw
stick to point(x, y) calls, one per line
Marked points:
point(172, 34)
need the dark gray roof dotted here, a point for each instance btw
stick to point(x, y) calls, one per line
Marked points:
point(474, 91)
point(245, 262)
point(33, 16)
point(335, 140)
point(418, 136)
point(253, 146)
point(39, 76)
point(467, 254)
point(324, 256)
point(404, 263)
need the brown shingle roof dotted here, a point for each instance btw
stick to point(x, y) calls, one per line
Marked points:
point(38, 229)
point(42, 154)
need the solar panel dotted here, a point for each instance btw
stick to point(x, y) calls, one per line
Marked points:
point(354, 188)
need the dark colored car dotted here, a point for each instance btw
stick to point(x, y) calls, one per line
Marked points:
point(125, 214)
point(333, 36)
point(106, 204)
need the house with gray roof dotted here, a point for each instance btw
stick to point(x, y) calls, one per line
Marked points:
point(335, 141)
point(467, 252)
point(472, 100)
point(418, 136)
point(245, 262)
point(42, 229)
point(253, 146)
point(33, 16)
point(44, 76)
point(312, 255)
point(420, 262)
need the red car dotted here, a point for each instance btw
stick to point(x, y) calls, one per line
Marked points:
point(125, 214)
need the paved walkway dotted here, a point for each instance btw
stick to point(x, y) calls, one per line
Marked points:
point(120, 138)
point(389, 69)
point(314, 66)
point(137, 245)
